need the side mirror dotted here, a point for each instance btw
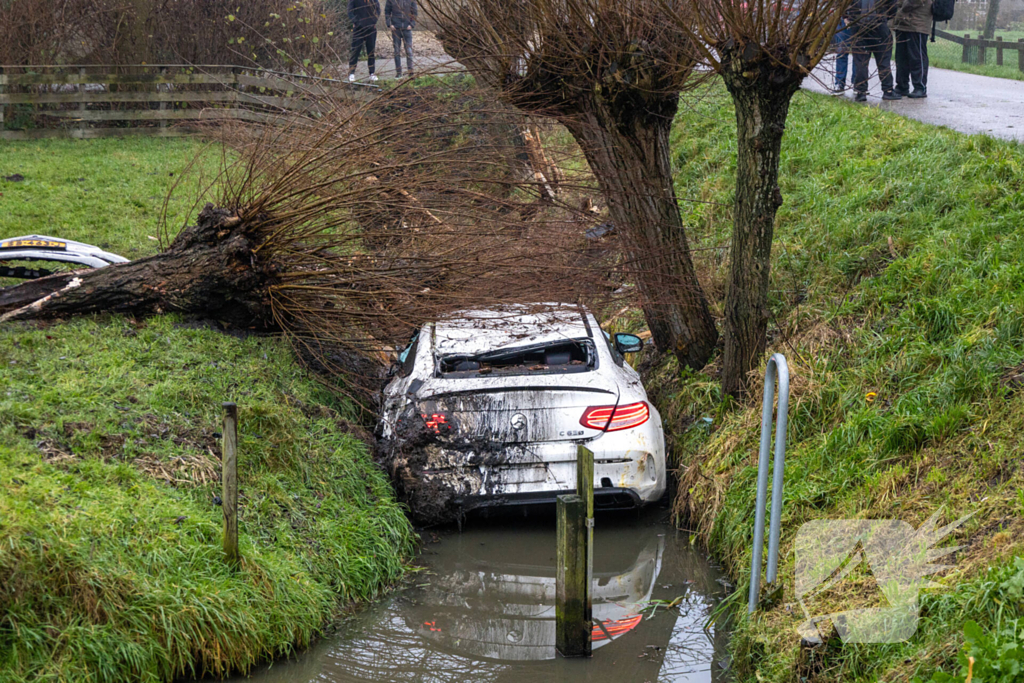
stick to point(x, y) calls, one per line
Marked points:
point(628, 343)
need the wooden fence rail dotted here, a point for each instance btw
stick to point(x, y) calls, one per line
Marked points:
point(975, 49)
point(158, 100)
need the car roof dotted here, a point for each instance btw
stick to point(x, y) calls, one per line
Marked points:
point(477, 331)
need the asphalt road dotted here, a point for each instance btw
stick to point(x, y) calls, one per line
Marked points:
point(963, 102)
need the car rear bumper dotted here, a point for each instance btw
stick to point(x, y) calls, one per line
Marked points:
point(438, 477)
point(622, 480)
point(606, 498)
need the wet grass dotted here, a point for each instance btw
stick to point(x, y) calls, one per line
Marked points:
point(106, 192)
point(110, 536)
point(897, 296)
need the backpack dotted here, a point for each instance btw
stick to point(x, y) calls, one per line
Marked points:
point(942, 10)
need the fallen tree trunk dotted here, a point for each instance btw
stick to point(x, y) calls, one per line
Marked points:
point(211, 269)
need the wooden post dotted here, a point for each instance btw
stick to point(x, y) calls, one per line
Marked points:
point(82, 107)
point(229, 483)
point(981, 51)
point(163, 105)
point(585, 490)
point(1020, 54)
point(999, 50)
point(572, 591)
point(965, 58)
point(3, 89)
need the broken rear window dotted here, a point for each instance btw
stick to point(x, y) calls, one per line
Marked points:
point(577, 355)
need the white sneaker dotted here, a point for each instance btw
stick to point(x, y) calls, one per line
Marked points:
point(351, 78)
point(373, 78)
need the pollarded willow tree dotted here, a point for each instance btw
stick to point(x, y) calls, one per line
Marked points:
point(611, 72)
point(763, 50)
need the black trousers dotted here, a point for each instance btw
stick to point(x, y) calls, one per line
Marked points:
point(872, 40)
point(363, 36)
point(398, 37)
point(911, 60)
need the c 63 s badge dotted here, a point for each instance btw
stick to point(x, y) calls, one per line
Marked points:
point(33, 244)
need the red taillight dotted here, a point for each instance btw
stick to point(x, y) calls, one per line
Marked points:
point(614, 418)
point(613, 629)
point(438, 423)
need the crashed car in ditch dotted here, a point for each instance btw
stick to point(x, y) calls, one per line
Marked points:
point(486, 408)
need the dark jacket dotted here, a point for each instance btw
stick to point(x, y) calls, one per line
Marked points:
point(870, 12)
point(363, 13)
point(914, 16)
point(400, 14)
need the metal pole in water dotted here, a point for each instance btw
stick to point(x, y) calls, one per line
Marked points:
point(572, 628)
point(229, 483)
point(778, 370)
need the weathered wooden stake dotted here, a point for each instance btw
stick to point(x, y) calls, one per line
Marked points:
point(82, 107)
point(585, 489)
point(3, 107)
point(572, 590)
point(163, 105)
point(229, 483)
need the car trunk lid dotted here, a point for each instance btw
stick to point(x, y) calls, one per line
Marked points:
point(514, 415)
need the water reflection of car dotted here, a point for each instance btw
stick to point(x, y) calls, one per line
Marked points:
point(506, 612)
point(487, 408)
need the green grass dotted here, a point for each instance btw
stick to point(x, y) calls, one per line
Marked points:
point(111, 565)
point(898, 298)
point(106, 192)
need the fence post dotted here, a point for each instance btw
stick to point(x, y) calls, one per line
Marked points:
point(163, 105)
point(3, 89)
point(1020, 54)
point(965, 57)
point(999, 50)
point(777, 369)
point(82, 107)
point(981, 51)
point(572, 592)
point(229, 483)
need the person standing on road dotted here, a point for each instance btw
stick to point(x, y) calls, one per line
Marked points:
point(912, 24)
point(841, 41)
point(364, 15)
point(400, 17)
point(869, 23)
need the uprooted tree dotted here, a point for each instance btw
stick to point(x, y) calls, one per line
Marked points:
point(763, 50)
point(348, 230)
point(611, 72)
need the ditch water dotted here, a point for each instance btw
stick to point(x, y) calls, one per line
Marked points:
point(484, 610)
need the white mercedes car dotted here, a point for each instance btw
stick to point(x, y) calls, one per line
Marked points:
point(486, 409)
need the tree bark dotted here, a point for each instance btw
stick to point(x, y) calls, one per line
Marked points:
point(761, 98)
point(628, 151)
point(210, 269)
point(990, 19)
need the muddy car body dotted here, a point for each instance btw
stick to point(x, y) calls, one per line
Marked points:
point(487, 409)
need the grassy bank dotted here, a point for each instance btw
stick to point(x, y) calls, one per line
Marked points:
point(110, 531)
point(897, 296)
